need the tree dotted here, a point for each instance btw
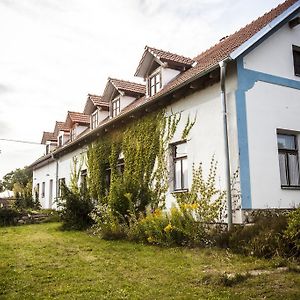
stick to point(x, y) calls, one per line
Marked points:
point(18, 176)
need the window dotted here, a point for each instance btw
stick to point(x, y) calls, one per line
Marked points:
point(94, 119)
point(296, 56)
point(37, 191)
point(180, 166)
point(83, 180)
point(288, 160)
point(60, 141)
point(43, 189)
point(61, 182)
point(116, 107)
point(154, 83)
point(73, 133)
point(47, 149)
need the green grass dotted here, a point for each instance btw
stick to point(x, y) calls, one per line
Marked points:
point(42, 262)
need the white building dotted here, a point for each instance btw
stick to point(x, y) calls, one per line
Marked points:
point(256, 71)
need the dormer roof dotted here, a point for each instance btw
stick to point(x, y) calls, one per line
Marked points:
point(162, 58)
point(60, 126)
point(77, 117)
point(93, 102)
point(122, 87)
point(48, 136)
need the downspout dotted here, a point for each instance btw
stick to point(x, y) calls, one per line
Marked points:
point(56, 177)
point(226, 142)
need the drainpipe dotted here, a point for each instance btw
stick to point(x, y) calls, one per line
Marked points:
point(226, 142)
point(56, 177)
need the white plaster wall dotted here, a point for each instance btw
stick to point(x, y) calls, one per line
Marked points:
point(274, 56)
point(125, 101)
point(66, 163)
point(79, 129)
point(45, 174)
point(270, 107)
point(206, 138)
point(102, 114)
point(167, 75)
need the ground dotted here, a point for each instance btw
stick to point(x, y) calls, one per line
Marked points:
point(42, 262)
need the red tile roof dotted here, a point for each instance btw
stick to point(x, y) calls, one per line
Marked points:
point(211, 57)
point(77, 117)
point(128, 86)
point(60, 126)
point(97, 100)
point(48, 136)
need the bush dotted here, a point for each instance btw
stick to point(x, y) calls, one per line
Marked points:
point(75, 210)
point(266, 237)
point(106, 224)
point(292, 232)
point(8, 216)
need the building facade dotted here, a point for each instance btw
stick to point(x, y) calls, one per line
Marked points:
point(243, 94)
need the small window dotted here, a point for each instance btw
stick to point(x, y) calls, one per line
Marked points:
point(73, 133)
point(43, 190)
point(154, 83)
point(116, 107)
point(180, 166)
point(60, 141)
point(288, 160)
point(83, 180)
point(37, 192)
point(47, 149)
point(94, 119)
point(296, 56)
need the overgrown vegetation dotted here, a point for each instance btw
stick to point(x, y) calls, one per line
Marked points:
point(42, 262)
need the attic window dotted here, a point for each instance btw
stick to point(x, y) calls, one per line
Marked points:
point(296, 56)
point(154, 83)
point(115, 107)
point(94, 118)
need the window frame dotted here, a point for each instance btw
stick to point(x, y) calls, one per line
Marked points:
point(94, 119)
point(156, 83)
point(115, 107)
point(296, 59)
point(286, 153)
point(43, 189)
point(175, 159)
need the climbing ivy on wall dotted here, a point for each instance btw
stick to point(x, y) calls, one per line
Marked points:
point(143, 144)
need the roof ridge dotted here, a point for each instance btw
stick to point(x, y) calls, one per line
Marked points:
point(126, 81)
point(150, 48)
point(285, 3)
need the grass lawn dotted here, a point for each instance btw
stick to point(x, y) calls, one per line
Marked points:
point(42, 262)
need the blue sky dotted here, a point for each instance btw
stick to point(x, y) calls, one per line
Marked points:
point(53, 53)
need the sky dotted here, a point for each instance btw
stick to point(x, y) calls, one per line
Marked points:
point(53, 53)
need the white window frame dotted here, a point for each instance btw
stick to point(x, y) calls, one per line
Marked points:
point(180, 160)
point(94, 119)
point(115, 107)
point(155, 84)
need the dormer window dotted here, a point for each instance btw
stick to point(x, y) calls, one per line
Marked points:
point(116, 107)
point(73, 133)
point(60, 141)
point(94, 119)
point(154, 83)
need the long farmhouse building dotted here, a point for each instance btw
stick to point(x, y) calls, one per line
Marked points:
point(244, 95)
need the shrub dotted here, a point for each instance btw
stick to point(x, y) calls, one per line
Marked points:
point(75, 210)
point(264, 238)
point(106, 224)
point(8, 216)
point(292, 232)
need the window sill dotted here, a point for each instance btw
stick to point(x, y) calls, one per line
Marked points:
point(290, 187)
point(179, 191)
